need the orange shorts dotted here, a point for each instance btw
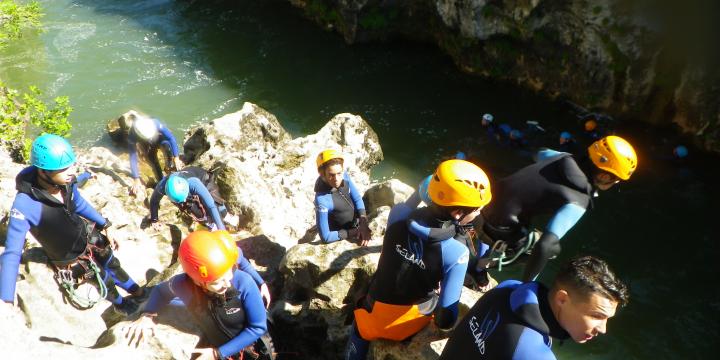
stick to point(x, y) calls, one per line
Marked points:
point(392, 322)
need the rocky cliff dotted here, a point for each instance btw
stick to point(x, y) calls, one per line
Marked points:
point(654, 61)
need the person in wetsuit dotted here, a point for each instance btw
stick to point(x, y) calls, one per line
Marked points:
point(193, 191)
point(49, 206)
point(419, 257)
point(149, 136)
point(556, 185)
point(519, 320)
point(339, 208)
point(567, 143)
point(222, 300)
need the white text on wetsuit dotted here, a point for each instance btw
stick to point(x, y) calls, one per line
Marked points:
point(477, 334)
point(409, 256)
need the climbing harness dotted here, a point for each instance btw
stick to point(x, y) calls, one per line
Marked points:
point(64, 276)
point(499, 254)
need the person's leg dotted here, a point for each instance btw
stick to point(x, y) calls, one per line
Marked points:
point(155, 162)
point(357, 347)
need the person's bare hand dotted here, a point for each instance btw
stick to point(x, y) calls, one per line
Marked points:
point(139, 331)
point(137, 188)
point(265, 294)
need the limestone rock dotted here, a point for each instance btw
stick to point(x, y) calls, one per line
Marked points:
point(386, 193)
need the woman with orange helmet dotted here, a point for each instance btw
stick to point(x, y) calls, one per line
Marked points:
point(557, 185)
point(221, 299)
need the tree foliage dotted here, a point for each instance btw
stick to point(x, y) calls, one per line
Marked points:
point(15, 17)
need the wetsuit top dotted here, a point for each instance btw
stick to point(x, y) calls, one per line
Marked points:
point(57, 226)
point(336, 209)
point(164, 135)
point(554, 185)
point(230, 322)
point(418, 255)
point(194, 176)
point(512, 321)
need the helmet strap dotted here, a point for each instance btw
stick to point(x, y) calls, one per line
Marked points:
point(47, 182)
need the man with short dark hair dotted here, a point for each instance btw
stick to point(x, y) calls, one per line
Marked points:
point(517, 320)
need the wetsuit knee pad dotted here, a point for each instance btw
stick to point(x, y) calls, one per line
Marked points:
point(445, 318)
point(392, 322)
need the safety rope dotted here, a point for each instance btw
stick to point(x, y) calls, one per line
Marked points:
point(498, 252)
point(67, 282)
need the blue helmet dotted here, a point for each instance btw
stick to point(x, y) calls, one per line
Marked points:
point(680, 151)
point(460, 155)
point(51, 152)
point(565, 135)
point(177, 188)
point(423, 190)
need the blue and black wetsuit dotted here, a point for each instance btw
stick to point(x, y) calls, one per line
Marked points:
point(512, 321)
point(418, 257)
point(165, 140)
point(204, 203)
point(230, 322)
point(338, 209)
point(555, 185)
point(60, 229)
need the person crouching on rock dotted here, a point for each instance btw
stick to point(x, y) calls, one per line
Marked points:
point(222, 300)
point(194, 191)
point(148, 136)
point(69, 229)
point(418, 259)
point(339, 208)
point(516, 320)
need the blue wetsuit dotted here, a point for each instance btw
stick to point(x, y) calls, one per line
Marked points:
point(337, 209)
point(554, 185)
point(417, 257)
point(512, 321)
point(165, 139)
point(230, 324)
point(58, 227)
point(200, 202)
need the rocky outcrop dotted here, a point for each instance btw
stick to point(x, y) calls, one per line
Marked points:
point(633, 59)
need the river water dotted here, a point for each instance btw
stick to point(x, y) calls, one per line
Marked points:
point(191, 61)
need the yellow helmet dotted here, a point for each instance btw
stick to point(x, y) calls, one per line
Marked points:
point(327, 155)
point(614, 155)
point(459, 183)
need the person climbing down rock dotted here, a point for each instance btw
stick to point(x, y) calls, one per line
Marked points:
point(339, 208)
point(222, 300)
point(71, 232)
point(420, 257)
point(147, 136)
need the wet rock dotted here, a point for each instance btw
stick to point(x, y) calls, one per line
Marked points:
point(386, 193)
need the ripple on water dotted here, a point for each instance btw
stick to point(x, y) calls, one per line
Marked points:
point(69, 37)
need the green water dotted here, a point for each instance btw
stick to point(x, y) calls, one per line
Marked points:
point(190, 61)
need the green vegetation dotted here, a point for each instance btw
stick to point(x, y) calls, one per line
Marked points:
point(377, 18)
point(24, 115)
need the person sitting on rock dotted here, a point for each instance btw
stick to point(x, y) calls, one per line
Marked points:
point(222, 300)
point(556, 185)
point(339, 208)
point(419, 257)
point(491, 128)
point(517, 320)
point(194, 191)
point(148, 136)
point(49, 206)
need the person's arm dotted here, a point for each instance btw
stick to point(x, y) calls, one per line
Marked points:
point(24, 212)
point(197, 187)
point(161, 296)
point(169, 136)
point(256, 317)
point(548, 245)
point(157, 195)
point(323, 206)
point(246, 266)
point(455, 258)
point(355, 196)
point(84, 209)
point(132, 151)
point(431, 234)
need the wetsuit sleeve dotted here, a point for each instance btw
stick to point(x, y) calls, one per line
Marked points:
point(355, 196)
point(546, 154)
point(323, 206)
point(132, 151)
point(165, 132)
point(401, 211)
point(531, 346)
point(159, 297)
point(455, 258)
point(83, 177)
point(256, 323)
point(564, 219)
point(246, 266)
point(431, 234)
point(197, 187)
point(24, 213)
point(157, 195)
point(84, 209)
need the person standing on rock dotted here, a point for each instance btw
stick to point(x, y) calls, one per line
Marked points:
point(556, 185)
point(148, 136)
point(419, 258)
point(222, 300)
point(194, 191)
point(339, 208)
point(517, 320)
point(68, 228)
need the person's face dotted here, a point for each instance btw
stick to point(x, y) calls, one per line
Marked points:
point(62, 176)
point(583, 318)
point(333, 175)
point(605, 180)
point(485, 122)
point(562, 140)
point(464, 215)
point(222, 284)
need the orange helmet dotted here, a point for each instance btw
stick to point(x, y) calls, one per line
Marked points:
point(459, 183)
point(590, 125)
point(327, 155)
point(205, 256)
point(614, 155)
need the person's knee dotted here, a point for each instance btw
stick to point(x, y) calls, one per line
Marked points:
point(549, 246)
